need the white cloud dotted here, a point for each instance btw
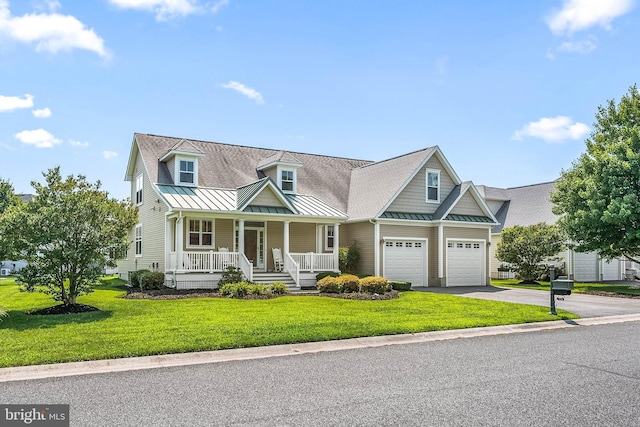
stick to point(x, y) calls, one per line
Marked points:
point(245, 90)
point(164, 9)
point(553, 129)
point(9, 103)
point(43, 113)
point(75, 143)
point(51, 32)
point(109, 155)
point(40, 138)
point(48, 5)
point(218, 5)
point(578, 15)
point(582, 47)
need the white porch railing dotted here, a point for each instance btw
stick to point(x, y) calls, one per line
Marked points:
point(246, 266)
point(311, 261)
point(203, 262)
point(292, 267)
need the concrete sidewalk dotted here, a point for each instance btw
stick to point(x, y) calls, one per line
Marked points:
point(580, 304)
point(162, 361)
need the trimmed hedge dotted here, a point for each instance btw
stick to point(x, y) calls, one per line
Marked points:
point(374, 285)
point(329, 285)
point(324, 274)
point(348, 283)
point(242, 289)
point(400, 286)
point(134, 277)
point(278, 288)
point(151, 280)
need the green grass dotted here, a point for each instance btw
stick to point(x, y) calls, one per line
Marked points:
point(127, 327)
point(581, 288)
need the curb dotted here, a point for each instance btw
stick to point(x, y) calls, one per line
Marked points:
point(23, 373)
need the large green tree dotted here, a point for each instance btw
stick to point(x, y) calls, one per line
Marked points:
point(7, 198)
point(598, 198)
point(67, 234)
point(526, 248)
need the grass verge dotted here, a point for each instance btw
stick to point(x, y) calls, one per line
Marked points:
point(583, 288)
point(127, 327)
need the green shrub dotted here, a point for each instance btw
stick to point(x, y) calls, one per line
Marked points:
point(134, 277)
point(258, 289)
point(278, 288)
point(375, 285)
point(348, 257)
point(330, 285)
point(348, 283)
point(400, 286)
point(231, 275)
point(235, 290)
point(151, 280)
point(324, 274)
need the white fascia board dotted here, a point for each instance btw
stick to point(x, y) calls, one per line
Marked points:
point(132, 162)
point(276, 190)
point(173, 153)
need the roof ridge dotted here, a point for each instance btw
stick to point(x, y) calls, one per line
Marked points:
point(396, 157)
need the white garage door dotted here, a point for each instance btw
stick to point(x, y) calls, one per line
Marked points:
point(611, 270)
point(465, 263)
point(585, 266)
point(406, 261)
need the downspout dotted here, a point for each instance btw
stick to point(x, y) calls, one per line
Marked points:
point(376, 247)
point(440, 254)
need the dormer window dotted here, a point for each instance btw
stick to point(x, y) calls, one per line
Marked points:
point(287, 180)
point(433, 186)
point(187, 171)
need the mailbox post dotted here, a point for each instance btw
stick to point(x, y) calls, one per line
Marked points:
point(558, 287)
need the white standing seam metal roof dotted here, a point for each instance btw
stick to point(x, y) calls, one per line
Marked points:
point(225, 200)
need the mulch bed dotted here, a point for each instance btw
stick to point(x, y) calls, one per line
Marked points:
point(64, 309)
point(165, 294)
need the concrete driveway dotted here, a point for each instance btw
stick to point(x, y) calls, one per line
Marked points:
point(580, 304)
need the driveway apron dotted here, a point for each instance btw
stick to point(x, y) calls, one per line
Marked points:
point(580, 304)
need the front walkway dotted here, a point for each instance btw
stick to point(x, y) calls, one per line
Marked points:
point(580, 304)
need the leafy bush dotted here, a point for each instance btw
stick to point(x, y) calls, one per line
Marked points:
point(278, 288)
point(400, 286)
point(258, 289)
point(348, 283)
point(231, 275)
point(375, 285)
point(134, 277)
point(348, 257)
point(324, 274)
point(151, 280)
point(235, 290)
point(330, 285)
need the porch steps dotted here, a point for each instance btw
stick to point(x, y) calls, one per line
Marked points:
point(268, 278)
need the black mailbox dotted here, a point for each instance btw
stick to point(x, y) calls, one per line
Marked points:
point(561, 287)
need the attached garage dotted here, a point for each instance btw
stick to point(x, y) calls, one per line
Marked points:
point(405, 260)
point(585, 266)
point(465, 263)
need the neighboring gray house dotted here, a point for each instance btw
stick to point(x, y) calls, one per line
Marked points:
point(531, 204)
point(206, 205)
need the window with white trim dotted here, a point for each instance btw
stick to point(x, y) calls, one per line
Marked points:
point(329, 237)
point(139, 181)
point(138, 240)
point(187, 172)
point(200, 233)
point(286, 180)
point(433, 186)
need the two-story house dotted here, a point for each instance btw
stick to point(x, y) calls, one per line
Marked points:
point(206, 205)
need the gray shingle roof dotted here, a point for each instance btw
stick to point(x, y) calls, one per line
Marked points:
point(279, 157)
point(324, 177)
point(525, 205)
point(374, 185)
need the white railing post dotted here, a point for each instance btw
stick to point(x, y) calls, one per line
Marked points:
point(211, 255)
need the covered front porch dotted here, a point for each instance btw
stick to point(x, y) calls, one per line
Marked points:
point(199, 248)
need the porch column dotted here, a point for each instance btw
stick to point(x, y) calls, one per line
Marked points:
point(167, 244)
point(285, 245)
point(441, 246)
point(179, 241)
point(336, 245)
point(241, 236)
point(376, 249)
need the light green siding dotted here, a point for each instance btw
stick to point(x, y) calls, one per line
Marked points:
point(362, 233)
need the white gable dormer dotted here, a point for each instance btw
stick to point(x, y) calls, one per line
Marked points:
point(282, 168)
point(182, 163)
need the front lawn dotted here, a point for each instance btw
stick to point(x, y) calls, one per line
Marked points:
point(138, 327)
point(583, 288)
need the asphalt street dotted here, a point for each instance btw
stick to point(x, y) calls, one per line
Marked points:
point(579, 376)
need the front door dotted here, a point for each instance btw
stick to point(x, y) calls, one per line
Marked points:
point(254, 246)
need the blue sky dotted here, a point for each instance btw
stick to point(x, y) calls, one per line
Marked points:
point(507, 89)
